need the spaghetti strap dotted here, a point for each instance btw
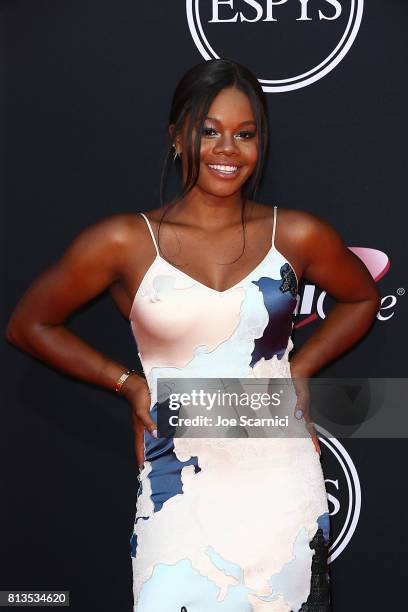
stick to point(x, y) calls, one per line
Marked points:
point(275, 213)
point(151, 232)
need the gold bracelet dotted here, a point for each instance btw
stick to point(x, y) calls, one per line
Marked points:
point(122, 379)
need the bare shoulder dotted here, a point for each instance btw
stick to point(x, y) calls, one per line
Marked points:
point(108, 245)
point(300, 221)
point(302, 228)
point(304, 237)
point(324, 256)
point(306, 223)
point(297, 219)
point(311, 234)
point(118, 227)
point(117, 230)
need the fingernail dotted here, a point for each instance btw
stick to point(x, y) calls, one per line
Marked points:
point(154, 433)
point(299, 414)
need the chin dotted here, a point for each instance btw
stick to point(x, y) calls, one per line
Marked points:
point(222, 191)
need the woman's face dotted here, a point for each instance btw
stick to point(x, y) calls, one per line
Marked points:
point(229, 145)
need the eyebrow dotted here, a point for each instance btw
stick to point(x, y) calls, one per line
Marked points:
point(243, 123)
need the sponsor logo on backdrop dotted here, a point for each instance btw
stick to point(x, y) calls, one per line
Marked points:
point(343, 492)
point(288, 44)
point(311, 304)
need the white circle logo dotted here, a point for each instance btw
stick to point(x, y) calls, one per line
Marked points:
point(295, 41)
point(344, 493)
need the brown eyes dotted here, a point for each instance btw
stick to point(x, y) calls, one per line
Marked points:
point(209, 132)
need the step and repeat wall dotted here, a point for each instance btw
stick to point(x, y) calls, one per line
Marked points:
point(88, 90)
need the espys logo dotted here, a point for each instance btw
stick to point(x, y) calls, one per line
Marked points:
point(310, 307)
point(288, 44)
point(343, 493)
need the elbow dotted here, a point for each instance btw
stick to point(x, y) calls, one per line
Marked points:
point(17, 332)
point(12, 335)
point(24, 334)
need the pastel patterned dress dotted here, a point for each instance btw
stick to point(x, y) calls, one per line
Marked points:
point(234, 524)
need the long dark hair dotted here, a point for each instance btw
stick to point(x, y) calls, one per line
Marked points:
point(191, 101)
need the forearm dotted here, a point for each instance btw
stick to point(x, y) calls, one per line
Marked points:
point(63, 350)
point(344, 325)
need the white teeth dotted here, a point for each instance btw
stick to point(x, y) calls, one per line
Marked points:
point(223, 168)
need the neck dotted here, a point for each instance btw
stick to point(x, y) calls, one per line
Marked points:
point(208, 210)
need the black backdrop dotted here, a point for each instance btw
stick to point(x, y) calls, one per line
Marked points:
point(87, 90)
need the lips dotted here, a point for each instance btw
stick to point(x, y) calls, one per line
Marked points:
point(224, 170)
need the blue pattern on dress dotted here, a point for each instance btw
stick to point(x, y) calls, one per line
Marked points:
point(280, 304)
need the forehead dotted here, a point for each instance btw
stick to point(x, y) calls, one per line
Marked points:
point(231, 106)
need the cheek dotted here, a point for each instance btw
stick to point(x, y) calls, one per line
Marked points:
point(252, 153)
point(205, 150)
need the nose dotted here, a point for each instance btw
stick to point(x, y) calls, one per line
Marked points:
point(226, 145)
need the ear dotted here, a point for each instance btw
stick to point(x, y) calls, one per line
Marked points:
point(177, 139)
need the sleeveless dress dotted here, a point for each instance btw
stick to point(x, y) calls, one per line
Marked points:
point(225, 525)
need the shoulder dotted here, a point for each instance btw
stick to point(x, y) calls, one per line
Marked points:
point(296, 218)
point(325, 257)
point(119, 225)
point(313, 235)
point(307, 238)
point(299, 220)
point(118, 228)
point(109, 238)
point(303, 226)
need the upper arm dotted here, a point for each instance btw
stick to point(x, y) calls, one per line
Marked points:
point(88, 266)
point(331, 265)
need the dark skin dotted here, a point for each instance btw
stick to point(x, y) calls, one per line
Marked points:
point(202, 231)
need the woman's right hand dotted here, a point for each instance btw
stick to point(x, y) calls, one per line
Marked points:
point(136, 390)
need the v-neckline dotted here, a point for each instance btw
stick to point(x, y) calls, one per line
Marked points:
point(158, 256)
point(215, 291)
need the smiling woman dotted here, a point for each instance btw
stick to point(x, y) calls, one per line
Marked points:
point(196, 529)
point(228, 151)
point(194, 127)
point(246, 156)
point(235, 523)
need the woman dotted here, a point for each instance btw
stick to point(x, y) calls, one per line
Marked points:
point(209, 284)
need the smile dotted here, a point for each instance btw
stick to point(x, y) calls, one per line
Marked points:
point(224, 170)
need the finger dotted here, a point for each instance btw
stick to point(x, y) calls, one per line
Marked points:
point(301, 406)
point(139, 444)
point(309, 425)
point(147, 421)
